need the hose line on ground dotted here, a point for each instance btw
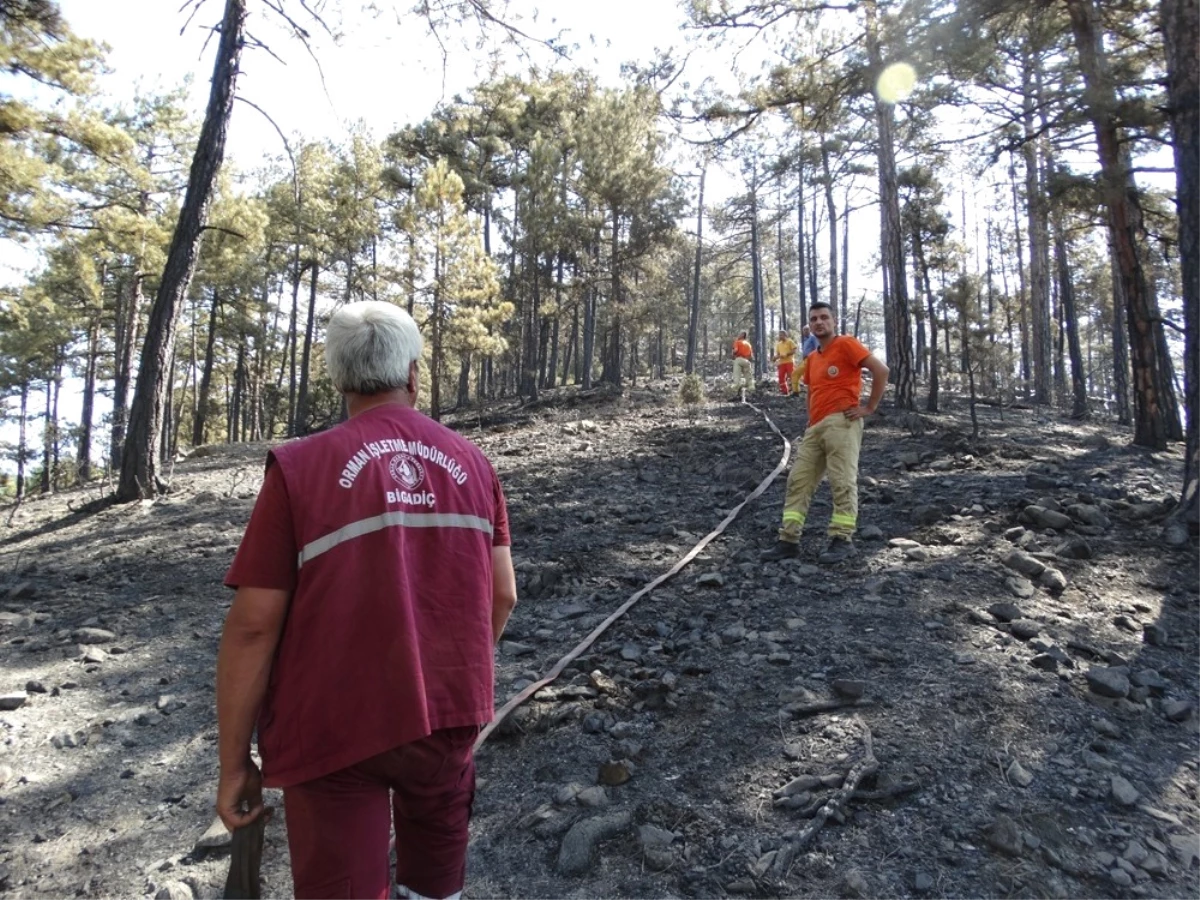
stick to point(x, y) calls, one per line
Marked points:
point(587, 642)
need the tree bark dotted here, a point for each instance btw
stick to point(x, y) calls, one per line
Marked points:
point(1023, 305)
point(801, 283)
point(611, 371)
point(126, 335)
point(48, 439)
point(22, 438)
point(1155, 409)
point(589, 318)
point(931, 403)
point(139, 462)
point(300, 425)
point(846, 254)
point(893, 238)
point(783, 314)
point(437, 351)
point(689, 365)
point(1070, 321)
point(1181, 29)
point(831, 211)
point(288, 363)
point(1035, 204)
point(759, 338)
point(202, 392)
point(83, 463)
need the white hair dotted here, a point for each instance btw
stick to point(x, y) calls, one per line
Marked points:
point(369, 347)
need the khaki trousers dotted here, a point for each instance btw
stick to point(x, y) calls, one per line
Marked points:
point(831, 446)
point(743, 373)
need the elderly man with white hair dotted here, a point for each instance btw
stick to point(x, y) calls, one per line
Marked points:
point(373, 581)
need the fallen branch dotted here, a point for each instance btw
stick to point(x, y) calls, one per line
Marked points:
point(809, 808)
point(896, 790)
point(799, 710)
point(865, 767)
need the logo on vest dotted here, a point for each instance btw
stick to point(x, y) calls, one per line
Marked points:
point(407, 471)
point(833, 371)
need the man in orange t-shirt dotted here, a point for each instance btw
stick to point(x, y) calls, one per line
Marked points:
point(743, 372)
point(833, 439)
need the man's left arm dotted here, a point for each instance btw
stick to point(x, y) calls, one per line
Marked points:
point(252, 631)
point(879, 379)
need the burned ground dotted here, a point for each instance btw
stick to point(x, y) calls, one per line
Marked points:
point(1016, 643)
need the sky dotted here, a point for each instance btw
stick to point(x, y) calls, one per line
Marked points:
point(379, 70)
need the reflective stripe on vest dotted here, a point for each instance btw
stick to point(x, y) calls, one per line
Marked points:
point(388, 520)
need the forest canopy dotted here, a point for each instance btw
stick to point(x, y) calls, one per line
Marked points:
point(998, 197)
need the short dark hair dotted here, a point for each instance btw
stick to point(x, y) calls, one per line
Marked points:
point(821, 304)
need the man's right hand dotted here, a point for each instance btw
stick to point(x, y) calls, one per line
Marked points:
point(239, 795)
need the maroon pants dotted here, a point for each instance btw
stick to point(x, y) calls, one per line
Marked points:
point(338, 825)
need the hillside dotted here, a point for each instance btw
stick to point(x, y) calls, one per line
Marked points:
point(1010, 661)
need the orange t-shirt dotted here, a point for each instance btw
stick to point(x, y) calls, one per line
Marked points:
point(742, 349)
point(834, 377)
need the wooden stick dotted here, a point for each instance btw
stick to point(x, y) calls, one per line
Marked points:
point(245, 861)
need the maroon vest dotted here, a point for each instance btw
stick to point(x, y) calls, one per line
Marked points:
point(388, 635)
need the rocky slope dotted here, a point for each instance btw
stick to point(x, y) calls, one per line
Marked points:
point(996, 697)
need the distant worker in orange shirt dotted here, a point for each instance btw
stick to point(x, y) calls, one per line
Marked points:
point(785, 351)
point(743, 372)
point(833, 438)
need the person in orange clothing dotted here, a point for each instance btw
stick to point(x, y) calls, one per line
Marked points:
point(785, 350)
point(833, 438)
point(743, 371)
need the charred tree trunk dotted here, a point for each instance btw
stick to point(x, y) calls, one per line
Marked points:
point(84, 461)
point(611, 371)
point(127, 321)
point(760, 340)
point(1023, 298)
point(1181, 27)
point(139, 463)
point(589, 318)
point(48, 439)
point(931, 403)
point(301, 425)
point(893, 236)
point(1070, 321)
point(1039, 279)
point(571, 352)
point(813, 294)
point(293, 340)
point(689, 365)
point(846, 254)
point(202, 392)
point(801, 283)
point(1156, 414)
point(831, 211)
point(22, 438)
point(783, 315)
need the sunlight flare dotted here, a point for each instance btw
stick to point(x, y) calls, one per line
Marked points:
point(896, 82)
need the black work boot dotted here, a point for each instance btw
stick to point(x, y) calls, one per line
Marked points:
point(782, 550)
point(840, 549)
